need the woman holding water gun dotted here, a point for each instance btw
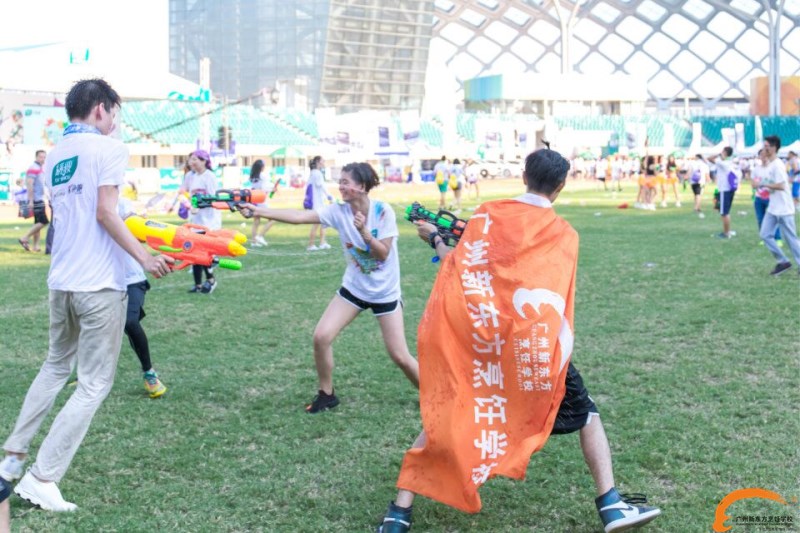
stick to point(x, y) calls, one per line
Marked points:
point(368, 231)
point(200, 180)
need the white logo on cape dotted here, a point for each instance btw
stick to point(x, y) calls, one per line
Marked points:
point(537, 297)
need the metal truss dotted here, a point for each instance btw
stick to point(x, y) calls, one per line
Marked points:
point(705, 50)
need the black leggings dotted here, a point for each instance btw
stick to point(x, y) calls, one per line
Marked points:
point(198, 270)
point(133, 326)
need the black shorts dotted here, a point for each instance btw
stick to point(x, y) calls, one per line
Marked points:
point(697, 189)
point(40, 213)
point(136, 293)
point(377, 309)
point(577, 406)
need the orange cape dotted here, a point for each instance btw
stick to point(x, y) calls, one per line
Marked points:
point(494, 344)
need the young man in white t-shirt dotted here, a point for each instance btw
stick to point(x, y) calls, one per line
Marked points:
point(780, 211)
point(727, 177)
point(368, 232)
point(87, 292)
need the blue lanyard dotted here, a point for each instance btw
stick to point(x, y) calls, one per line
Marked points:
point(78, 127)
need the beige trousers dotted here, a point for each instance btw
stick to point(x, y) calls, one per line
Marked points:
point(83, 325)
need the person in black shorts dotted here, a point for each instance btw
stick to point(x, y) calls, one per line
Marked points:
point(35, 183)
point(545, 173)
point(368, 234)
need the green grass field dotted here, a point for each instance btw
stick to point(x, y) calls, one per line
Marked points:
point(685, 342)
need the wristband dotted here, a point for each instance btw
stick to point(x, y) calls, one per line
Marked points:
point(432, 239)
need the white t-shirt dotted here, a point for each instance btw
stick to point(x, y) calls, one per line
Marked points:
point(727, 175)
point(458, 171)
point(699, 172)
point(780, 201)
point(318, 193)
point(84, 258)
point(205, 183)
point(760, 173)
point(600, 169)
point(134, 273)
point(367, 278)
point(472, 173)
point(442, 167)
point(616, 169)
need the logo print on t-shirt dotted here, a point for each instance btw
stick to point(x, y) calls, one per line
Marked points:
point(362, 260)
point(64, 170)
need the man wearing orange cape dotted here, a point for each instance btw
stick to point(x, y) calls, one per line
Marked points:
point(494, 352)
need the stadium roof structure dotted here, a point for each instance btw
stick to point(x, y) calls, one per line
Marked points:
point(705, 50)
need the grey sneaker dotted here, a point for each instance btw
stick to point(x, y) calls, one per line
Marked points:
point(11, 468)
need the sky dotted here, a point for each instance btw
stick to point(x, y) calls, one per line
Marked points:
point(133, 32)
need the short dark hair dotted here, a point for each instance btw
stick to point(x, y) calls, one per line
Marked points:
point(314, 163)
point(39, 152)
point(545, 171)
point(86, 94)
point(363, 174)
point(728, 151)
point(773, 140)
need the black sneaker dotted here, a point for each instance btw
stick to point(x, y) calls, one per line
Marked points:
point(322, 402)
point(396, 520)
point(780, 268)
point(208, 287)
point(195, 288)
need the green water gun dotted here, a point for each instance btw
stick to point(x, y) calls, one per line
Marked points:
point(448, 226)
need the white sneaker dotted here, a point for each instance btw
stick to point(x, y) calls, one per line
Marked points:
point(663, 203)
point(701, 215)
point(260, 240)
point(312, 248)
point(677, 204)
point(11, 468)
point(45, 495)
point(324, 246)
